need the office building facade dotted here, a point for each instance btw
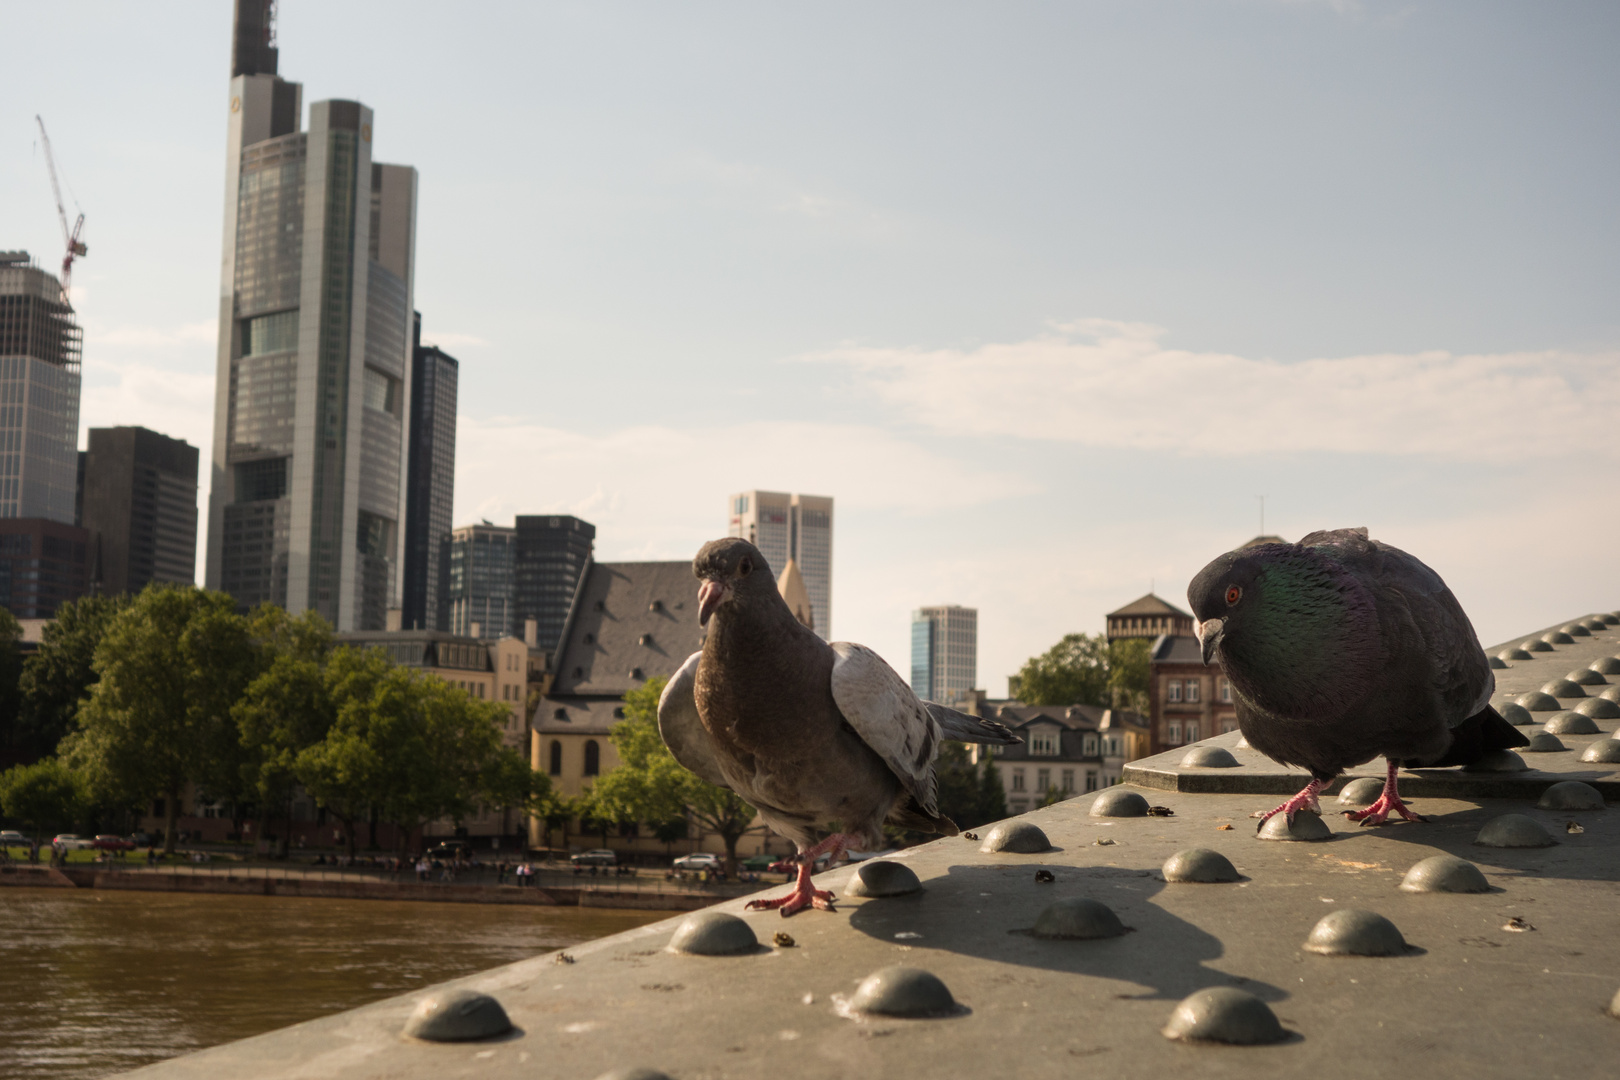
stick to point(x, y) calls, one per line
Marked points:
point(40, 352)
point(798, 527)
point(479, 588)
point(430, 484)
point(549, 561)
point(139, 506)
point(308, 463)
point(944, 652)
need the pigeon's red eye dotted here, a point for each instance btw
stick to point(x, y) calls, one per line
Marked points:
point(1233, 594)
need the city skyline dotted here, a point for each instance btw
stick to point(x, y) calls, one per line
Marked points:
point(1047, 297)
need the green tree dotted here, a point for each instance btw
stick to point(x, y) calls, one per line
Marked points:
point(56, 680)
point(43, 795)
point(18, 740)
point(1086, 670)
point(285, 710)
point(169, 668)
point(343, 769)
point(651, 786)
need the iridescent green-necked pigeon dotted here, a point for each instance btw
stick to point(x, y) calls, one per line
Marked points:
point(1340, 648)
point(806, 732)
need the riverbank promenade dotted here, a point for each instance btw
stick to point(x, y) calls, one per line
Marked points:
point(550, 884)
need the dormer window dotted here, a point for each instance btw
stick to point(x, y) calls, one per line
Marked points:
point(1043, 743)
point(645, 639)
point(601, 606)
point(635, 673)
point(590, 639)
point(579, 673)
point(656, 605)
point(560, 714)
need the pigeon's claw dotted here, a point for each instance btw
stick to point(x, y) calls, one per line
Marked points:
point(803, 895)
point(1305, 800)
point(1388, 802)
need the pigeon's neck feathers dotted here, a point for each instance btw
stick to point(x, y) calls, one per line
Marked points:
point(1308, 641)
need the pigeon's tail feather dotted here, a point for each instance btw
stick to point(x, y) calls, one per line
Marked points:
point(909, 814)
point(975, 729)
point(1475, 737)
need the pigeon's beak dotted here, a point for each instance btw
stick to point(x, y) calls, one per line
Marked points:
point(710, 593)
point(1209, 635)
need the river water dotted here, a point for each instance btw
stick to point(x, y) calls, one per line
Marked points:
point(96, 982)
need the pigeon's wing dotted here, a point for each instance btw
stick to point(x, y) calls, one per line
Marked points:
point(681, 727)
point(965, 728)
point(889, 718)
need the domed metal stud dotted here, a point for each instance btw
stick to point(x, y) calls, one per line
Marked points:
point(1445, 873)
point(1536, 701)
point(1306, 826)
point(1586, 677)
point(903, 991)
point(713, 933)
point(457, 1016)
point(1348, 932)
point(1514, 654)
point(1563, 688)
point(1571, 795)
point(1544, 742)
point(1208, 757)
point(1225, 1014)
point(1016, 837)
point(1516, 714)
point(1497, 761)
point(1200, 865)
point(1536, 645)
point(1557, 637)
point(880, 877)
point(634, 1074)
point(1575, 629)
point(1514, 831)
point(1606, 665)
point(1570, 723)
point(1077, 919)
point(1496, 662)
point(1611, 693)
point(1117, 802)
point(1610, 617)
point(1362, 791)
point(1602, 752)
point(1599, 709)
point(1594, 624)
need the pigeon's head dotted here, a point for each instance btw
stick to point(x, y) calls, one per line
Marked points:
point(1223, 594)
point(733, 573)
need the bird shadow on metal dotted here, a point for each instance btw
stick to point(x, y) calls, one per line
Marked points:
point(972, 911)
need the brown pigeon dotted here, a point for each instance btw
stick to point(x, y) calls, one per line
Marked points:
point(811, 735)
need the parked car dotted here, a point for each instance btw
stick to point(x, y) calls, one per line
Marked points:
point(109, 842)
point(12, 838)
point(143, 839)
point(698, 860)
point(72, 842)
point(595, 857)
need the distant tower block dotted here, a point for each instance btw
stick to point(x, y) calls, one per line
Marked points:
point(796, 527)
point(944, 652)
point(791, 584)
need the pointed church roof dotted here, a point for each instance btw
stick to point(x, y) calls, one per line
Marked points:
point(1149, 605)
point(791, 585)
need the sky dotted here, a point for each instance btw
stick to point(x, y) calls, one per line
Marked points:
point(1047, 296)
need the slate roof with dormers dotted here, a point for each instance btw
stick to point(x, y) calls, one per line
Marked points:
point(1149, 605)
point(631, 622)
point(577, 715)
point(1074, 722)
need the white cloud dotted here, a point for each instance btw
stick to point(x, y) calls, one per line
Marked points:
point(1113, 384)
point(453, 341)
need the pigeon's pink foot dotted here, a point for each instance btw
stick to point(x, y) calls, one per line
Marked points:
point(1305, 800)
point(804, 894)
point(1388, 802)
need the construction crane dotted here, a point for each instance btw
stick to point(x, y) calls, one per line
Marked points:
point(75, 246)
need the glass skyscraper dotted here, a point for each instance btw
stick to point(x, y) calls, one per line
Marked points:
point(40, 345)
point(944, 652)
point(430, 485)
point(479, 586)
point(308, 463)
point(797, 527)
point(551, 556)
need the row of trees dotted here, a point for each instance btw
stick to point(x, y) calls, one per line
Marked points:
point(137, 699)
point(1086, 670)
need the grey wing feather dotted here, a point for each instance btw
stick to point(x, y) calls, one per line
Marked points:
point(965, 728)
point(681, 727)
point(889, 718)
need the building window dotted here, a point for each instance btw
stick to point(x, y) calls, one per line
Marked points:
point(555, 764)
point(1175, 733)
point(560, 714)
point(1192, 731)
point(593, 758)
point(1043, 780)
point(1091, 780)
point(1192, 689)
point(1172, 690)
point(1226, 692)
point(1018, 780)
point(1068, 781)
point(1043, 742)
point(1113, 748)
point(1228, 726)
point(1091, 746)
